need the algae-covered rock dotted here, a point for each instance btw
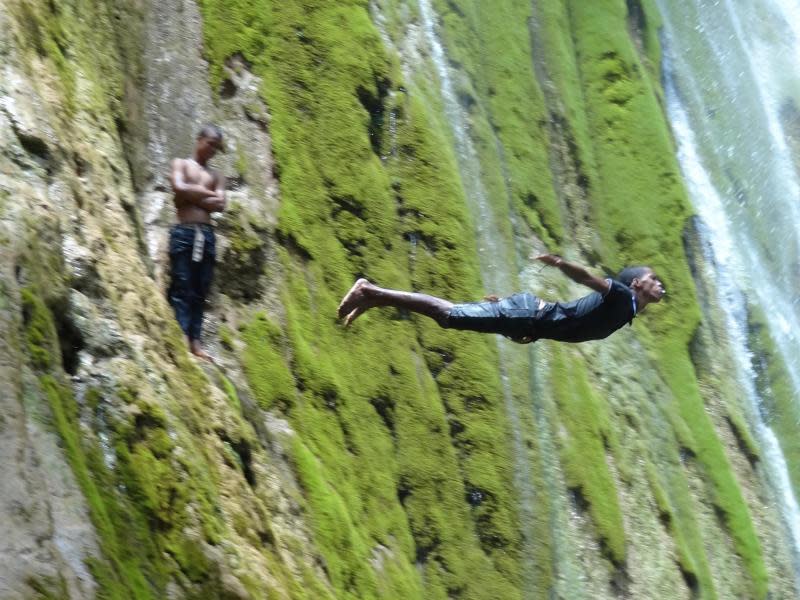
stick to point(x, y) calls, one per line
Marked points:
point(393, 459)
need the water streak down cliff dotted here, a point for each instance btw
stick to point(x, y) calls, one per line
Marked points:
point(394, 459)
point(744, 183)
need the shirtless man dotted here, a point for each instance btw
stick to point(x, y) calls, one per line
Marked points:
point(199, 191)
point(523, 317)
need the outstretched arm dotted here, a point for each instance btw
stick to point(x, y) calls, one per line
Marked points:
point(575, 272)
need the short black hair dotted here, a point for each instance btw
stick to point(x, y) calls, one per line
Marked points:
point(209, 130)
point(628, 274)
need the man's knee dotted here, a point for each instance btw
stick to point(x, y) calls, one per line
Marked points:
point(443, 320)
point(482, 317)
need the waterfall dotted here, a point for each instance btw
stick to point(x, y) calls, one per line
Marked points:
point(728, 85)
point(492, 251)
point(496, 258)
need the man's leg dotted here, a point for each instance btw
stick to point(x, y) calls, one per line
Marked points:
point(514, 317)
point(202, 275)
point(365, 295)
point(180, 293)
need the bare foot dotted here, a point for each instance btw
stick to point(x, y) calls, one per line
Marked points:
point(354, 314)
point(352, 299)
point(196, 349)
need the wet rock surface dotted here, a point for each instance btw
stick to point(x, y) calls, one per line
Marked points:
point(283, 470)
point(84, 211)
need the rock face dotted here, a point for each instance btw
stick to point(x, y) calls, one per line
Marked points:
point(95, 374)
point(394, 459)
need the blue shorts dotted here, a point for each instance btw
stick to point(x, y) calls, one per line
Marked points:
point(513, 317)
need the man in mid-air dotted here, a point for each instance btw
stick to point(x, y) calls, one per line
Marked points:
point(199, 191)
point(523, 317)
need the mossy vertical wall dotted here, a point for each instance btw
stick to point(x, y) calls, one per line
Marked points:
point(397, 435)
point(601, 60)
point(403, 445)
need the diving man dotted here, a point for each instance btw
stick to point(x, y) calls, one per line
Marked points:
point(523, 317)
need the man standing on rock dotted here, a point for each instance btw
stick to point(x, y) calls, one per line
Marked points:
point(199, 191)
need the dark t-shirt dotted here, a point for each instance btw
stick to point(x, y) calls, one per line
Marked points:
point(592, 317)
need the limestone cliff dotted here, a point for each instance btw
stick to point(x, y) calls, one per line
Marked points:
point(393, 459)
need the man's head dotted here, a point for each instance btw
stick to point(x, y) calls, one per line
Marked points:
point(644, 283)
point(209, 142)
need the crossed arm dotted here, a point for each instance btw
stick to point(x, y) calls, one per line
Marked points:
point(207, 199)
point(575, 272)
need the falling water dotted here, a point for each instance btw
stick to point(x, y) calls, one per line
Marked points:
point(391, 146)
point(495, 256)
point(726, 90)
point(733, 85)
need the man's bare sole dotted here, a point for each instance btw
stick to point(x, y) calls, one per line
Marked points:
point(352, 301)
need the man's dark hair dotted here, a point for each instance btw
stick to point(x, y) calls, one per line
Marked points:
point(628, 274)
point(210, 131)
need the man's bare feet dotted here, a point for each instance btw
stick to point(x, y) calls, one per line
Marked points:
point(196, 349)
point(352, 300)
point(354, 314)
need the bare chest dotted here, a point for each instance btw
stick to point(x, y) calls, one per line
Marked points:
point(198, 175)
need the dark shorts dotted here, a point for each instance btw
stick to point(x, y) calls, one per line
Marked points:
point(513, 317)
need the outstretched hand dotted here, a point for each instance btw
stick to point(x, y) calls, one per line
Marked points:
point(553, 260)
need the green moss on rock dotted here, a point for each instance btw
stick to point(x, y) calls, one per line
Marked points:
point(401, 445)
point(327, 93)
point(491, 42)
point(40, 332)
point(774, 386)
point(584, 450)
point(130, 567)
point(265, 365)
point(641, 208)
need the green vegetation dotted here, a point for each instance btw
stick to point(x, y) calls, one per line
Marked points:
point(609, 118)
point(584, 449)
point(130, 566)
point(78, 40)
point(774, 385)
point(49, 588)
point(640, 208)
point(40, 332)
point(376, 447)
point(157, 507)
point(492, 44)
point(402, 448)
point(271, 380)
point(244, 257)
